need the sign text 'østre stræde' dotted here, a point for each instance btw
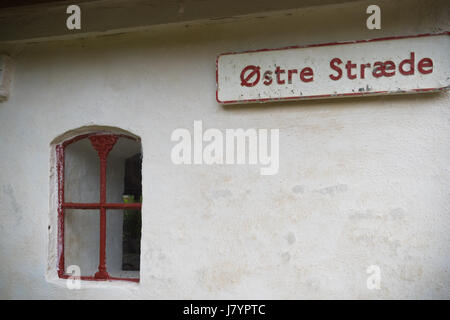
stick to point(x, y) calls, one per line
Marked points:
point(380, 66)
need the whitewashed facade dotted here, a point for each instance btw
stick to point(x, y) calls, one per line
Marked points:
point(362, 181)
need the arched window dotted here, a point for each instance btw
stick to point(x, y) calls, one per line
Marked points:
point(99, 206)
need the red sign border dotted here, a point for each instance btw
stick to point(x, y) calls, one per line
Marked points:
point(321, 96)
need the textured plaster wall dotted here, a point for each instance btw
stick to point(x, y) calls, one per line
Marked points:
point(362, 181)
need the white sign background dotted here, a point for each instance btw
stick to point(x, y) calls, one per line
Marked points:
point(434, 46)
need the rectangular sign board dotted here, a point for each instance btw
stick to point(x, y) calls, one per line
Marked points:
point(411, 64)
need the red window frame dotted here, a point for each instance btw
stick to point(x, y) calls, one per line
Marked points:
point(103, 144)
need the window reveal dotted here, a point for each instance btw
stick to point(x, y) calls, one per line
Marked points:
point(102, 144)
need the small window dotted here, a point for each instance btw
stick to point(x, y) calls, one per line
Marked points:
point(99, 206)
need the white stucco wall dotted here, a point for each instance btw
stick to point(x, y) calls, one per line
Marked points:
point(362, 181)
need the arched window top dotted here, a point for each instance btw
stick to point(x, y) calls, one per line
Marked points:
point(74, 135)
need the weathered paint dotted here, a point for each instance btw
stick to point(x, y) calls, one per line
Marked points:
point(362, 181)
point(310, 71)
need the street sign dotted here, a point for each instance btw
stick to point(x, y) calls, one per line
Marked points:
point(411, 64)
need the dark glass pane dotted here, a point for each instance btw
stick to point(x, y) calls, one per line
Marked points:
point(123, 174)
point(123, 245)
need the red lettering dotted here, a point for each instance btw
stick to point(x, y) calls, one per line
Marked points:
point(363, 67)
point(425, 63)
point(349, 66)
point(378, 69)
point(388, 66)
point(407, 61)
point(334, 65)
point(267, 78)
point(247, 76)
point(290, 72)
point(279, 71)
point(307, 72)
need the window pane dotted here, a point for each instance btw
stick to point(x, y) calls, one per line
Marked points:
point(82, 240)
point(124, 171)
point(81, 173)
point(123, 243)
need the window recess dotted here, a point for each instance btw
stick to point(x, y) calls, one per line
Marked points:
point(99, 206)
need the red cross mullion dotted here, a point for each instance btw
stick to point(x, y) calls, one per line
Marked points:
point(102, 144)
